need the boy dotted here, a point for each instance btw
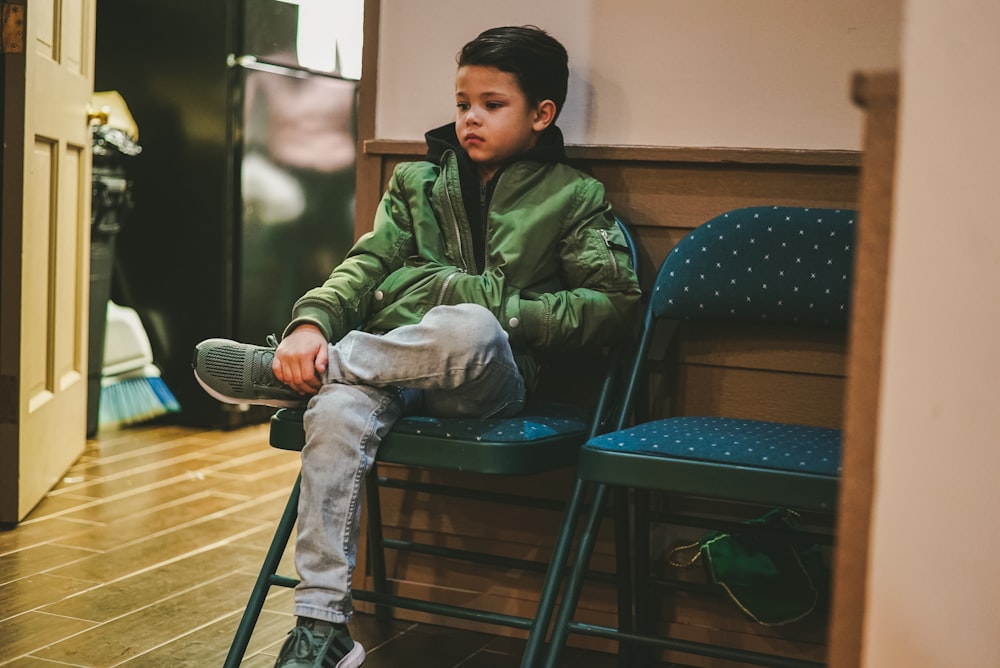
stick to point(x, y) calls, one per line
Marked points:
point(490, 250)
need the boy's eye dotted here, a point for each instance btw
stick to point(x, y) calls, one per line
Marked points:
point(493, 105)
point(462, 106)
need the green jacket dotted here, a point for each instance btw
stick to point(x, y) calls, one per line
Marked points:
point(557, 273)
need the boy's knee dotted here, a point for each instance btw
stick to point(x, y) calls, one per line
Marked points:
point(472, 315)
point(471, 321)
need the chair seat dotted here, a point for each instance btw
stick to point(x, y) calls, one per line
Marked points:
point(724, 457)
point(542, 438)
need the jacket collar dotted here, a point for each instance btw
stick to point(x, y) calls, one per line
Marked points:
point(550, 146)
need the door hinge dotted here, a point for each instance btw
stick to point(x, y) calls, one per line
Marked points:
point(12, 37)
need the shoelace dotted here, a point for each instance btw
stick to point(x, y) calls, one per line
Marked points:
point(303, 642)
point(262, 374)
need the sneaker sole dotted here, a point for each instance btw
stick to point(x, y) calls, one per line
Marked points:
point(354, 658)
point(275, 403)
point(226, 399)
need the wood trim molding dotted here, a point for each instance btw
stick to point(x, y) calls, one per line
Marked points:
point(877, 94)
point(757, 156)
point(368, 184)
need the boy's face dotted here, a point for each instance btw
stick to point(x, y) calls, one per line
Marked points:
point(494, 120)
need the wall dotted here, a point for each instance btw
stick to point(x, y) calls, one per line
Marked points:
point(658, 72)
point(934, 597)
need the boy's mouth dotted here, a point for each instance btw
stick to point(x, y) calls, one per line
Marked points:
point(473, 138)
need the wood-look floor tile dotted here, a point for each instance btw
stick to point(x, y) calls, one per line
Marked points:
point(37, 591)
point(88, 479)
point(110, 466)
point(127, 637)
point(140, 500)
point(143, 442)
point(33, 662)
point(196, 473)
point(153, 474)
point(255, 547)
point(106, 509)
point(276, 620)
point(504, 652)
point(29, 534)
point(372, 633)
point(141, 525)
point(209, 646)
point(34, 630)
point(280, 479)
point(427, 646)
point(40, 559)
point(110, 442)
point(183, 454)
point(257, 464)
point(161, 548)
point(490, 659)
point(148, 588)
point(146, 552)
point(58, 506)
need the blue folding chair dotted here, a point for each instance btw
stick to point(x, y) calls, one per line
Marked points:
point(782, 266)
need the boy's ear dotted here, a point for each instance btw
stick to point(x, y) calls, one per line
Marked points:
point(545, 113)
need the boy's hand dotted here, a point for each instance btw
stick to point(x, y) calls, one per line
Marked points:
point(301, 358)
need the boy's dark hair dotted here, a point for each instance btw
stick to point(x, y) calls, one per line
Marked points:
point(535, 58)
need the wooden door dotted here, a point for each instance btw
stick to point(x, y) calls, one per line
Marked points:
point(45, 246)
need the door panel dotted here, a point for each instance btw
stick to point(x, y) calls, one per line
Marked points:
point(70, 269)
point(45, 286)
point(36, 239)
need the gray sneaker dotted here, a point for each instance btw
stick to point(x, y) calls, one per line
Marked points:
point(240, 373)
point(320, 644)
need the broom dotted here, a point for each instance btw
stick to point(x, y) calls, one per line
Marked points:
point(132, 390)
point(134, 397)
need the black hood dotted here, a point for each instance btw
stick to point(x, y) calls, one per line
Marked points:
point(475, 197)
point(550, 147)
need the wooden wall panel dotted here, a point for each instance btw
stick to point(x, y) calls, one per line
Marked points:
point(662, 193)
point(683, 195)
point(760, 395)
point(803, 350)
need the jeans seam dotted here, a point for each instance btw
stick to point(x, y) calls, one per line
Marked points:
point(359, 476)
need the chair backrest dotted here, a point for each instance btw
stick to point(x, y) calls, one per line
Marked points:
point(767, 265)
point(770, 264)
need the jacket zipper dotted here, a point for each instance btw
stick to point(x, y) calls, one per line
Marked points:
point(454, 216)
point(484, 216)
point(611, 253)
point(483, 191)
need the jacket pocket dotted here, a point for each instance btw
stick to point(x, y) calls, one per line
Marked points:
point(608, 255)
point(444, 291)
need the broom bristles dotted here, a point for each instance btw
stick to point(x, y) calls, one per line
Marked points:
point(134, 397)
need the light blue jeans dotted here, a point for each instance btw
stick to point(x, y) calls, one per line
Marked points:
point(456, 362)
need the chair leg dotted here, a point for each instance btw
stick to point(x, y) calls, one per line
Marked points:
point(553, 579)
point(376, 546)
point(575, 583)
point(643, 619)
point(623, 568)
point(263, 584)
